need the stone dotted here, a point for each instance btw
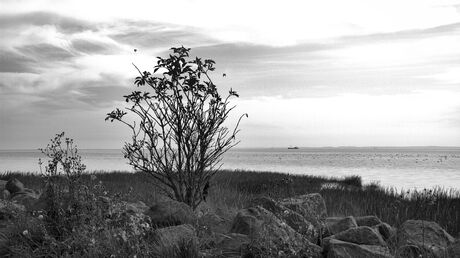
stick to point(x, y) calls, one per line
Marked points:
point(428, 236)
point(385, 230)
point(270, 234)
point(13, 186)
point(28, 198)
point(169, 240)
point(341, 249)
point(367, 221)
point(409, 251)
point(361, 236)
point(311, 206)
point(170, 213)
point(336, 225)
point(292, 218)
point(213, 223)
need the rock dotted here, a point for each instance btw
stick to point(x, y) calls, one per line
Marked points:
point(311, 206)
point(454, 249)
point(213, 223)
point(367, 221)
point(170, 213)
point(385, 230)
point(13, 186)
point(29, 198)
point(341, 249)
point(409, 251)
point(170, 240)
point(335, 225)
point(361, 236)
point(203, 209)
point(292, 218)
point(270, 234)
point(426, 235)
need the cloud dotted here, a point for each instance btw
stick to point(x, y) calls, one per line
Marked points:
point(94, 47)
point(44, 52)
point(11, 62)
point(143, 34)
point(62, 23)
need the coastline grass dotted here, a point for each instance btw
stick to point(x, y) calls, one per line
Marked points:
point(231, 190)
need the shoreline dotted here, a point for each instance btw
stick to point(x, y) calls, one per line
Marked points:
point(325, 178)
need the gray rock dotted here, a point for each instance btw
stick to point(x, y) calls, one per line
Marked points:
point(385, 230)
point(361, 236)
point(213, 223)
point(367, 221)
point(292, 218)
point(341, 249)
point(428, 236)
point(311, 206)
point(336, 225)
point(170, 213)
point(410, 251)
point(28, 198)
point(270, 234)
point(13, 186)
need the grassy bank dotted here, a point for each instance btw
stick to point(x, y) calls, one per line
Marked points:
point(232, 190)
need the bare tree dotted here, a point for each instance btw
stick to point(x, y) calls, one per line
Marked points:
point(179, 137)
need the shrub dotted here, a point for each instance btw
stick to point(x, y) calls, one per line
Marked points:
point(179, 137)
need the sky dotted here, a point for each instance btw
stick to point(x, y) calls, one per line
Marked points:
point(309, 73)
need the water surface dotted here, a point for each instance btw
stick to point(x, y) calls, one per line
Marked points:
point(414, 167)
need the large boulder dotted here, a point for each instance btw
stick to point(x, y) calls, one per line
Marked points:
point(271, 235)
point(170, 213)
point(336, 225)
point(311, 206)
point(361, 236)
point(427, 236)
point(29, 198)
point(13, 186)
point(369, 221)
point(170, 241)
point(385, 230)
point(341, 249)
point(292, 218)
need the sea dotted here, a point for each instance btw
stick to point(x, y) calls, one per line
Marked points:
point(403, 168)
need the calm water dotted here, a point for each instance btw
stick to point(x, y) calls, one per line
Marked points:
point(398, 167)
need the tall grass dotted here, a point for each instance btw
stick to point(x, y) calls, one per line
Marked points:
point(232, 190)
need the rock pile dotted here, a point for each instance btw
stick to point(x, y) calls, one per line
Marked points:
point(292, 227)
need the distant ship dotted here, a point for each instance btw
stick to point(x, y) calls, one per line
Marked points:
point(293, 148)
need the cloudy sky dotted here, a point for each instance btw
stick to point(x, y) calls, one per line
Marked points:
point(310, 73)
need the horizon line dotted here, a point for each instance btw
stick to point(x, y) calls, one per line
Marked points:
point(286, 147)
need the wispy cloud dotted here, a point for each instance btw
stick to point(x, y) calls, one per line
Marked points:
point(74, 57)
